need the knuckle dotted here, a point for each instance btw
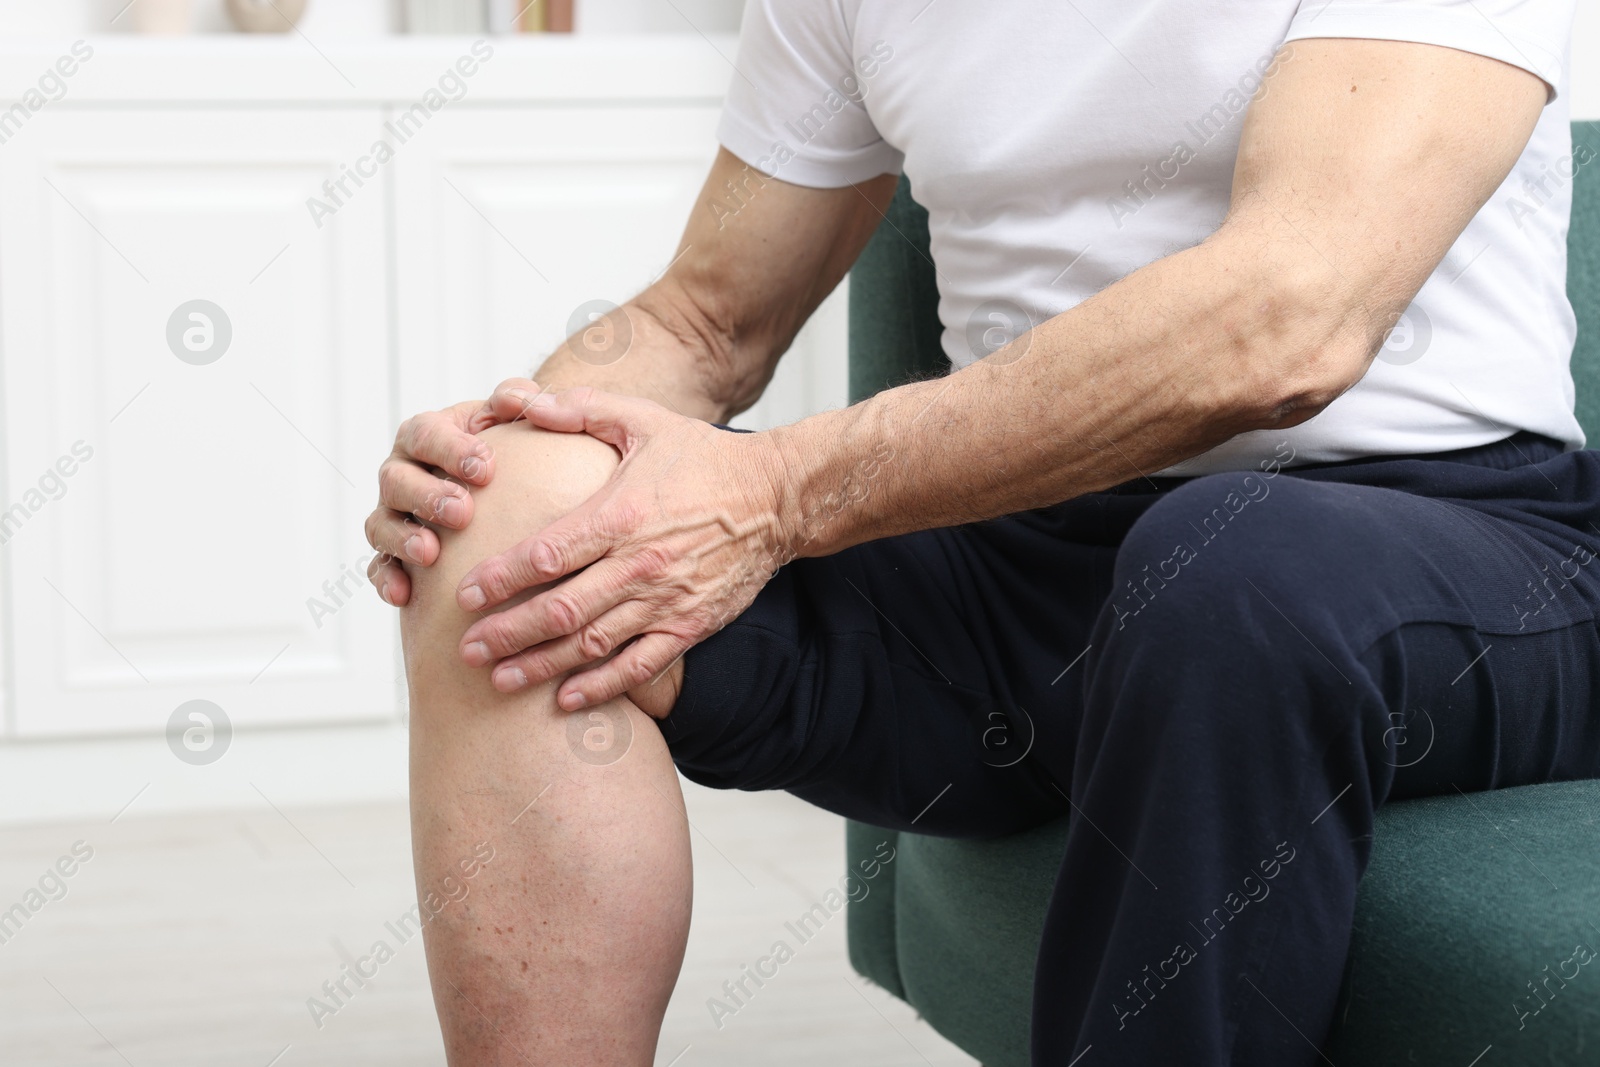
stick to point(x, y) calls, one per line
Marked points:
point(593, 641)
point(639, 671)
point(431, 428)
point(627, 513)
point(492, 577)
point(562, 613)
point(544, 561)
point(652, 563)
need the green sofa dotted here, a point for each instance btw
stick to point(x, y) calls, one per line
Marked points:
point(1467, 901)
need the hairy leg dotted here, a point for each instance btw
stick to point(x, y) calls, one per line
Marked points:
point(564, 945)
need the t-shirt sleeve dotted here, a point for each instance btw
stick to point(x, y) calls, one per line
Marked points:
point(1531, 34)
point(794, 109)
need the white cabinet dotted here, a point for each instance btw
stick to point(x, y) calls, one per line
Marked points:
point(507, 221)
point(171, 517)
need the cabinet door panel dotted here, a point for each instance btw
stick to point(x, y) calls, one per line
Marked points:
point(213, 490)
point(508, 220)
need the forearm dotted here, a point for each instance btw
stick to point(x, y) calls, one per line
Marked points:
point(1167, 363)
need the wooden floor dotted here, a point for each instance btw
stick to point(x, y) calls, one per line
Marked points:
point(195, 941)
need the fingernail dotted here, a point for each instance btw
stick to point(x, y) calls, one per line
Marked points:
point(472, 598)
point(383, 593)
point(573, 701)
point(472, 468)
point(520, 396)
point(476, 654)
point(512, 678)
point(444, 507)
point(413, 548)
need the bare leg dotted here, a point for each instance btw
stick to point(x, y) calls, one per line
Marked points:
point(566, 944)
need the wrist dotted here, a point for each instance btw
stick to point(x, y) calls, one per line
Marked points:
point(828, 479)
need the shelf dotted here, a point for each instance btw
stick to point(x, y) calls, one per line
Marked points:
point(239, 69)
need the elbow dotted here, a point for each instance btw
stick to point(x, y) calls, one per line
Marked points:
point(1305, 349)
point(1298, 393)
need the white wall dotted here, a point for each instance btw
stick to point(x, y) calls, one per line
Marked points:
point(1586, 61)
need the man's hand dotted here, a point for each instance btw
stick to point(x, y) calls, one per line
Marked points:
point(677, 544)
point(412, 487)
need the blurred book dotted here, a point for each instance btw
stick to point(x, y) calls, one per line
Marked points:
point(445, 16)
point(530, 16)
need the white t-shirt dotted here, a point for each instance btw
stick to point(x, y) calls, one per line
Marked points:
point(1060, 146)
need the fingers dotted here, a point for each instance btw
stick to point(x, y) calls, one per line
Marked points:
point(570, 608)
point(405, 487)
point(566, 545)
point(395, 533)
point(589, 644)
point(389, 579)
point(440, 439)
point(404, 490)
point(408, 484)
point(645, 659)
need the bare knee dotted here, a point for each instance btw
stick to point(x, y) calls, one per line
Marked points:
point(539, 477)
point(474, 749)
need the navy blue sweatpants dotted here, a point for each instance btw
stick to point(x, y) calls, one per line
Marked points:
point(1219, 678)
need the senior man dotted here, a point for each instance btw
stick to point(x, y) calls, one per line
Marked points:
point(1185, 539)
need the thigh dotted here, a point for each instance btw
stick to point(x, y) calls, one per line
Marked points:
point(906, 682)
point(1444, 612)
